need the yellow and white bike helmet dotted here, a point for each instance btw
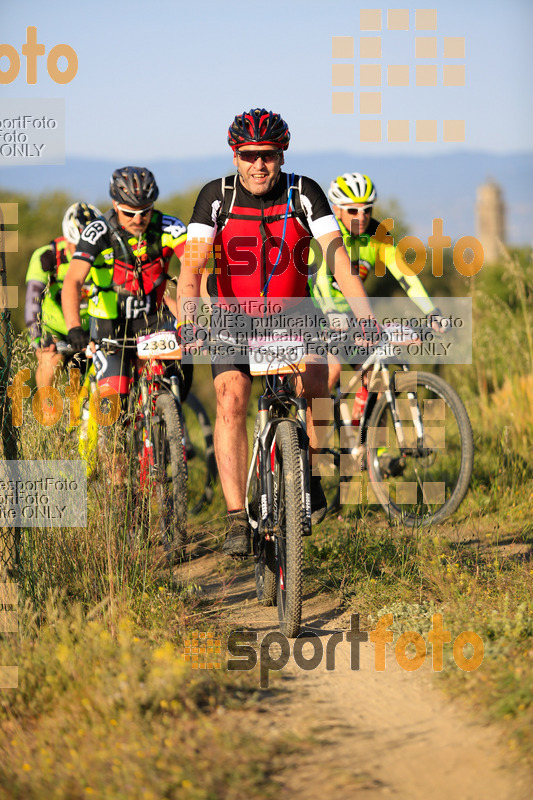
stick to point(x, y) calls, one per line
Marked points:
point(350, 188)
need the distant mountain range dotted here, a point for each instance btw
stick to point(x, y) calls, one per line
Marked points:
point(426, 187)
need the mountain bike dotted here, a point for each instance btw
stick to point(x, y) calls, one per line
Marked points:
point(155, 409)
point(278, 498)
point(197, 431)
point(414, 438)
point(155, 419)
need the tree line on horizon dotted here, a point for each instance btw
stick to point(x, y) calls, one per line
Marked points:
point(40, 217)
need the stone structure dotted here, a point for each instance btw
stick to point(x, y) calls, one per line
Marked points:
point(490, 220)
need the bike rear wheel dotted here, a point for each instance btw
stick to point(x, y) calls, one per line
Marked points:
point(171, 473)
point(289, 514)
point(202, 465)
point(424, 481)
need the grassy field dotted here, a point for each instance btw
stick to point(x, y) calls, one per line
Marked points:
point(106, 704)
point(475, 569)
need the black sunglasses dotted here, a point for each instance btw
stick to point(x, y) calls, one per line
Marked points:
point(251, 156)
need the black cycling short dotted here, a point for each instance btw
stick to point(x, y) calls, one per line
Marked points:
point(117, 369)
point(231, 332)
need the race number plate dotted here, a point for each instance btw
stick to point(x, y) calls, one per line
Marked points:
point(277, 353)
point(162, 344)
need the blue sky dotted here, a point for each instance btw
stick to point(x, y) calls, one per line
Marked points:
point(161, 79)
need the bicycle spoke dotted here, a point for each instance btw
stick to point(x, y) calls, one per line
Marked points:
point(423, 480)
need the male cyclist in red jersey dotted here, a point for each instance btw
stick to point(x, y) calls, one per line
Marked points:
point(126, 255)
point(246, 217)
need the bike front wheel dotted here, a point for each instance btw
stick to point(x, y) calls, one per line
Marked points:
point(424, 479)
point(289, 516)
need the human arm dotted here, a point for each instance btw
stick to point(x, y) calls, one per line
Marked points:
point(412, 286)
point(32, 310)
point(195, 257)
point(408, 280)
point(173, 239)
point(335, 260)
point(42, 265)
point(350, 284)
point(198, 250)
point(70, 295)
point(92, 247)
point(320, 284)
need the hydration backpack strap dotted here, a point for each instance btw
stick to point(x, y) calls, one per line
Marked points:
point(229, 190)
point(296, 200)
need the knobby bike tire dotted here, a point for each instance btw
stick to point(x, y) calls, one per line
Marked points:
point(172, 473)
point(206, 457)
point(289, 512)
point(425, 489)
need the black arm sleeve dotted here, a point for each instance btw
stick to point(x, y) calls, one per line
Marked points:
point(32, 307)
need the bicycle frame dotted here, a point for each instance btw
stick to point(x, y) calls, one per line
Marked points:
point(379, 361)
point(151, 378)
point(274, 407)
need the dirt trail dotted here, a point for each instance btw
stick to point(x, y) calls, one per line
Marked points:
point(374, 734)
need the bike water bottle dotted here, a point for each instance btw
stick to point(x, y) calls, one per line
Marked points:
point(359, 405)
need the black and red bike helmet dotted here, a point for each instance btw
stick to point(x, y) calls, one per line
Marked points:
point(134, 186)
point(258, 126)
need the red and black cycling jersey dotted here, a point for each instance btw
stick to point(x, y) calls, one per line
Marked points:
point(129, 266)
point(249, 235)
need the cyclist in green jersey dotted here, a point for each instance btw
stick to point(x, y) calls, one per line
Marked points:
point(352, 196)
point(126, 255)
point(43, 314)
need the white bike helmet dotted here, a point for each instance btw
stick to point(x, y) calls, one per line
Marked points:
point(77, 217)
point(350, 188)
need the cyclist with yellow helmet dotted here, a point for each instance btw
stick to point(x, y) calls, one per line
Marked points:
point(352, 196)
point(47, 269)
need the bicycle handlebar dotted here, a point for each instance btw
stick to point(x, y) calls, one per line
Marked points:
point(65, 349)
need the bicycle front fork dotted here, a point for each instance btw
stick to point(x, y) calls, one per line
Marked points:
point(266, 443)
